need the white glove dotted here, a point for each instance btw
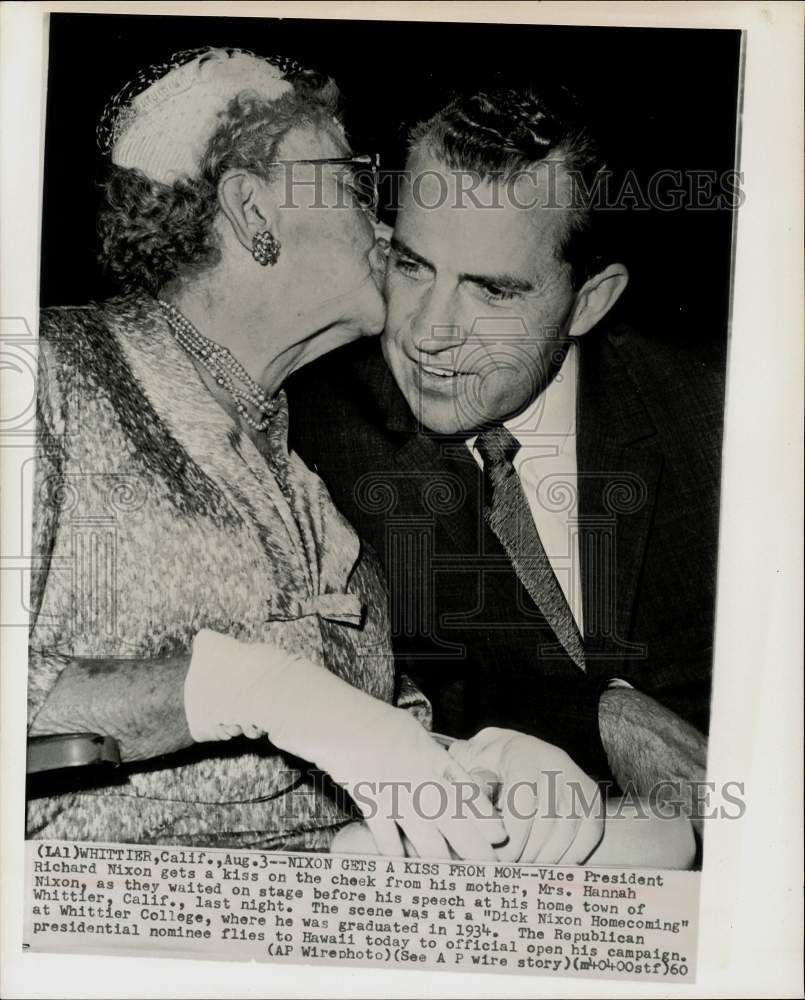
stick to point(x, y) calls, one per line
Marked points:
point(380, 754)
point(551, 809)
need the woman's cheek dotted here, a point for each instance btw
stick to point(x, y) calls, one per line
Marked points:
point(378, 261)
point(372, 311)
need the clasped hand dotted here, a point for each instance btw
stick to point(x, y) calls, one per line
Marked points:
point(550, 809)
point(403, 782)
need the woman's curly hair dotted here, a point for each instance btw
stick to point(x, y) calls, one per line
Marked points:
point(153, 234)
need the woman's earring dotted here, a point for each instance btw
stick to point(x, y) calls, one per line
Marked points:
point(265, 248)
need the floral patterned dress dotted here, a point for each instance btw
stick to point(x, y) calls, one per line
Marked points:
point(156, 517)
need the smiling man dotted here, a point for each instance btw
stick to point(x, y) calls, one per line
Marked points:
point(541, 484)
point(482, 305)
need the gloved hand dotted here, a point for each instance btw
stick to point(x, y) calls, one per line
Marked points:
point(551, 809)
point(381, 755)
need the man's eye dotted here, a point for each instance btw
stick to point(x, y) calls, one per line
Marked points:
point(492, 294)
point(407, 265)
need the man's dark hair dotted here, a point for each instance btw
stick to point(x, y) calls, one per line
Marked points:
point(499, 134)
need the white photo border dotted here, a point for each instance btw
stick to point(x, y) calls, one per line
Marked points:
point(751, 931)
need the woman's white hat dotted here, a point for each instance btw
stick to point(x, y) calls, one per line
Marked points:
point(165, 129)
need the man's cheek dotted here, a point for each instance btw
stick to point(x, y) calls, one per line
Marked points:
point(393, 353)
point(400, 369)
point(402, 312)
point(392, 287)
point(393, 335)
point(403, 293)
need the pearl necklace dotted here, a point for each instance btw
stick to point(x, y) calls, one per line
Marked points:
point(224, 368)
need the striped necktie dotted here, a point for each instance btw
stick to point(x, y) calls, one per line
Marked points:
point(507, 513)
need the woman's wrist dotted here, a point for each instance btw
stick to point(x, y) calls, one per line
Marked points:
point(257, 689)
point(140, 703)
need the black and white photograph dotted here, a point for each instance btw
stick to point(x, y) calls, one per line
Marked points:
point(376, 490)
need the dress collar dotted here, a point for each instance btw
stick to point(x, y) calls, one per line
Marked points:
point(322, 548)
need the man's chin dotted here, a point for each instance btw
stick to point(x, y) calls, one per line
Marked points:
point(438, 422)
point(437, 415)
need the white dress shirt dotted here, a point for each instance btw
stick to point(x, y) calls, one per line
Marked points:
point(546, 465)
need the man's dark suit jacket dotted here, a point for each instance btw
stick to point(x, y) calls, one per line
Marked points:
point(648, 453)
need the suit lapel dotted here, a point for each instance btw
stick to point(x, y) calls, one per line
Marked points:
point(449, 487)
point(450, 471)
point(619, 465)
point(438, 475)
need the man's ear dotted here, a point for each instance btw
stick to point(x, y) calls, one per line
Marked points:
point(243, 202)
point(596, 297)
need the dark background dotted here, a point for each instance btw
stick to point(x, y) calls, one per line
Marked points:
point(662, 98)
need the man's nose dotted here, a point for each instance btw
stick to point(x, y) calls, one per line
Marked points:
point(437, 327)
point(441, 337)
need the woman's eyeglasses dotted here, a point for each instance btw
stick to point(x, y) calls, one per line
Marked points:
point(359, 176)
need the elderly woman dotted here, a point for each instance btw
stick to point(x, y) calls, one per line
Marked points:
point(198, 597)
